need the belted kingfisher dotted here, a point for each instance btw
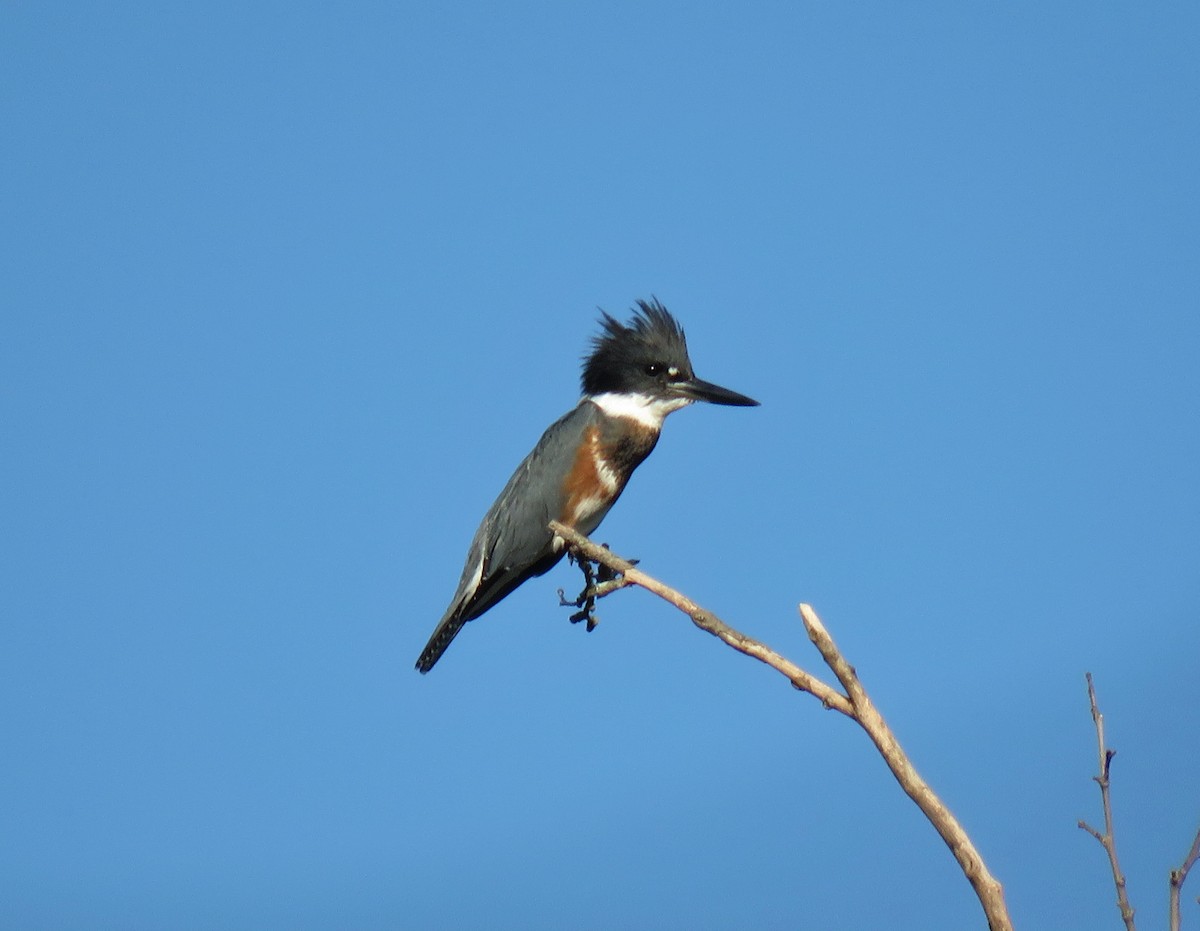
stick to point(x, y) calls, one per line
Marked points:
point(635, 375)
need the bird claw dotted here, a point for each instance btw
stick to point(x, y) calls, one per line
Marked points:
point(586, 601)
point(587, 614)
point(598, 582)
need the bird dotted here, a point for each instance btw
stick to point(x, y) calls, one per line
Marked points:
point(635, 374)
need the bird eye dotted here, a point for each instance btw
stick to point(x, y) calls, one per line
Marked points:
point(655, 369)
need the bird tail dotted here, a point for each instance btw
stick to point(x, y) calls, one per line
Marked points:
point(445, 632)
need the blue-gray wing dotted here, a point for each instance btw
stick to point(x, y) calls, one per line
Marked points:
point(514, 542)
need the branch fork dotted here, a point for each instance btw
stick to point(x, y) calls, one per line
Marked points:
point(851, 700)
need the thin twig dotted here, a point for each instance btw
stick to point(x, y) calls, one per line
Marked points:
point(855, 704)
point(1107, 839)
point(1177, 879)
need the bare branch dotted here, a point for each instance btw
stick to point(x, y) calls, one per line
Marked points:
point(1177, 879)
point(1107, 839)
point(706, 620)
point(1091, 830)
point(855, 704)
point(987, 888)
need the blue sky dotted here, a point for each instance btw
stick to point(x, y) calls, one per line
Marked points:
point(289, 290)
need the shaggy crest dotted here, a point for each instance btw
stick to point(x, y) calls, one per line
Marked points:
point(652, 337)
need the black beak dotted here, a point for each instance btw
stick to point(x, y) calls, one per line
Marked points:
point(699, 390)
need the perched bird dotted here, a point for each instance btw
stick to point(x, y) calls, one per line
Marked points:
point(635, 375)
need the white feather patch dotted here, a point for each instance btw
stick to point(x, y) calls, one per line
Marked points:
point(608, 477)
point(643, 408)
point(473, 585)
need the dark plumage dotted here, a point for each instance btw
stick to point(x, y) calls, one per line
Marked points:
point(635, 375)
point(622, 352)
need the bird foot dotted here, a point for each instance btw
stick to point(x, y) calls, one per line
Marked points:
point(597, 583)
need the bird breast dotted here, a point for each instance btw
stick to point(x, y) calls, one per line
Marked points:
point(604, 460)
point(592, 484)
